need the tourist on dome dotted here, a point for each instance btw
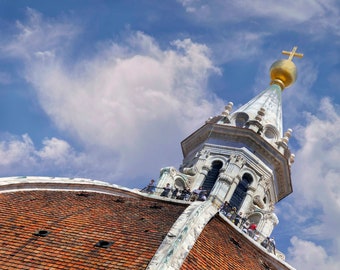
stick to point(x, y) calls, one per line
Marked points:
point(232, 214)
point(174, 193)
point(225, 208)
point(265, 242)
point(271, 245)
point(245, 227)
point(150, 188)
point(166, 190)
point(202, 196)
point(243, 219)
point(196, 193)
point(238, 219)
point(186, 194)
point(252, 229)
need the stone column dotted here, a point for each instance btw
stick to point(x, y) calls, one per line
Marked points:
point(221, 187)
point(232, 188)
point(235, 165)
point(200, 178)
point(270, 222)
point(247, 200)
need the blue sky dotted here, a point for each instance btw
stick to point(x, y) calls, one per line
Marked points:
point(108, 89)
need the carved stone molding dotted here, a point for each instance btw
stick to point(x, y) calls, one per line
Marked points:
point(190, 171)
point(238, 160)
point(237, 179)
point(225, 178)
point(258, 202)
point(272, 218)
point(206, 168)
point(251, 189)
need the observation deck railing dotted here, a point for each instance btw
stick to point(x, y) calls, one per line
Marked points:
point(257, 236)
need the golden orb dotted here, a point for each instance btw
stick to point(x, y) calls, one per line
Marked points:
point(283, 73)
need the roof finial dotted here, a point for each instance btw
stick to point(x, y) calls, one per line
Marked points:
point(283, 72)
point(293, 53)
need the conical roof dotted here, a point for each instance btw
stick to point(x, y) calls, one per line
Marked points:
point(269, 102)
point(263, 113)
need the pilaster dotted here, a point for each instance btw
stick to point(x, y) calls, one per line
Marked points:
point(232, 188)
point(247, 200)
point(182, 236)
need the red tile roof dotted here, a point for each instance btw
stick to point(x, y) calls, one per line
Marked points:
point(76, 221)
point(220, 246)
point(76, 216)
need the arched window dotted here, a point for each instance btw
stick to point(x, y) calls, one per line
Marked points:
point(179, 183)
point(212, 176)
point(255, 218)
point(241, 191)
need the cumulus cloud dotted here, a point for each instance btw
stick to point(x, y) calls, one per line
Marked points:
point(20, 155)
point(320, 141)
point(129, 103)
point(54, 149)
point(14, 151)
point(315, 204)
point(308, 255)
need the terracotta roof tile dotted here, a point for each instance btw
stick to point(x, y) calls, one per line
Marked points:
point(76, 222)
point(220, 246)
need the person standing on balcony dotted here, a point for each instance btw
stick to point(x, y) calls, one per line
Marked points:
point(166, 190)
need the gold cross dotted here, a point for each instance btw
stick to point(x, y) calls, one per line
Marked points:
point(293, 53)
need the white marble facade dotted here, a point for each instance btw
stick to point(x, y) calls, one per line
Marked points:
point(242, 149)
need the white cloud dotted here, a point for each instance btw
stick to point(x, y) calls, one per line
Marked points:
point(314, 210)
point(37, 35)
point(320, 153)
point(20, 156)
point(322, 15)
point(308, 255)
point(121, 103)
point(15, 151)
point(54, 149)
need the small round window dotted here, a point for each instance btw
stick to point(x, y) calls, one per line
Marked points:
point(270, 132)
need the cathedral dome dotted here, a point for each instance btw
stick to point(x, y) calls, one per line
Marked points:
point(76, 223)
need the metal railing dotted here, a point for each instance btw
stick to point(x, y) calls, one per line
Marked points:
point(256, 235)
point(179, 195)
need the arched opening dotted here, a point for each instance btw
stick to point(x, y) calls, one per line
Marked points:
point(255, 218)
point(241, 191)
point(179, 183)
point(212, 176)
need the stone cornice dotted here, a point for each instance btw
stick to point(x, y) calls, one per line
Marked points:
point(26, 183)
